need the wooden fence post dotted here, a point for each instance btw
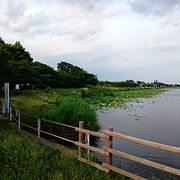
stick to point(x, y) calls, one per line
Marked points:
point(109, 145)
point(39, 127)
point(19, 120)
point(81, 125)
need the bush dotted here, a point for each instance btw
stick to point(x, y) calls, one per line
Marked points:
point(70, 111)
point(1, 92)
point(12, 92)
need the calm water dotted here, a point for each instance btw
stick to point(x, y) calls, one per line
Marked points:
point(156, 119)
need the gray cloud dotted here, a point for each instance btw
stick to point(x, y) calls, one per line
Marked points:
point(74, 18)
point(14, 8)
point(16, 17)
point(86, 4)
point(153, 7)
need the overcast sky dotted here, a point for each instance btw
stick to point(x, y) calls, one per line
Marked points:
point(115, 39)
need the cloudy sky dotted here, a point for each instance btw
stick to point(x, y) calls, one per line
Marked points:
point(115, 39)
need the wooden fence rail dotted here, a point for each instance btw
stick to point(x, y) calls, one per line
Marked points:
point(143, 142)
point(106, 151)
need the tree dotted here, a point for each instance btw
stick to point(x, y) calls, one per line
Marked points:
point(18, 53)
point(17, 67)
point(75, 76)
point(5, 68)
point(45, 76)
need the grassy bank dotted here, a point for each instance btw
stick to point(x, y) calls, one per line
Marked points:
point(23, 158)
point(70, 106)
point(68, 109)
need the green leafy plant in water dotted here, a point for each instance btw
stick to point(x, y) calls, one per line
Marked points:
point(109, 97)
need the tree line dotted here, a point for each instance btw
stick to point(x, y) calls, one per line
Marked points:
point(17, 67)
point(131, 83)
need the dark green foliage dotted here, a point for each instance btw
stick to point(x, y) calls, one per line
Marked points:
point(70, 111)
point(75, 76)
point(19, 53)
point(17, 67)
point(128, 83)
point(13, 92)
point(45, 76)
point(15, 63)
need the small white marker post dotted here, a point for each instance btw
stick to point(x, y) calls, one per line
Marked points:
point(88, 143)
point(3, 107)
point(10, 113)
point(39, 127)
point(19, 121)
point(6, 93)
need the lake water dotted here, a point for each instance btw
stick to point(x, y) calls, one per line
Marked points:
point(156, 119)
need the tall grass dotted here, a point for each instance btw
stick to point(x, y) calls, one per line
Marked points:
point(24, 159)
point(59, 106)
point(70, 111)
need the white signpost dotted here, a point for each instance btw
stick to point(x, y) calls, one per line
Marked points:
point(17, 86)
point(6, 92)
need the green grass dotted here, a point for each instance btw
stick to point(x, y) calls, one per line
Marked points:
point(57, 105)
point(23, 158)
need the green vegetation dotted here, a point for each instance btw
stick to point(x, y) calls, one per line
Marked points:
point(128, 83)
point(74, 76)
point(118, 97)
point(70, 111)
point(70, 106)
point(62, 107)
point(17, 67)
point(22, 158)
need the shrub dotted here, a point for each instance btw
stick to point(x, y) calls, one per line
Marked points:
point(70, 111)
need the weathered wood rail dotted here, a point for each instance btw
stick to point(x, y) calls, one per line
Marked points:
point(106, 151)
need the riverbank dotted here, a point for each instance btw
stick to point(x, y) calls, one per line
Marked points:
point(36, 102)
point(70, 106)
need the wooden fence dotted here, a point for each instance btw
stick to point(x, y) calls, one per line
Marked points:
point(107, 150)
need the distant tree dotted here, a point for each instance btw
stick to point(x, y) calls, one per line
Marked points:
point(128, 83)
point(75, 76)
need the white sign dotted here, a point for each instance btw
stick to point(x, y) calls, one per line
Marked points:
point(17, 86)
point(6, 92)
